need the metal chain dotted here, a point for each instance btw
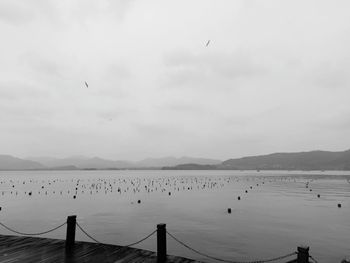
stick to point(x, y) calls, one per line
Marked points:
point(228, 261)
point(32, 234)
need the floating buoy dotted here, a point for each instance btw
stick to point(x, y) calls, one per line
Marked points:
point(246, 191)
point(229, 210)
point(74, 196)
point(30, 193)
point(339, 205)
point(318, 196)
point(169, 193)
point(139, 201)
point(239, 198)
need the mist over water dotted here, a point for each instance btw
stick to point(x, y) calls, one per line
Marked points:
point(280, 210)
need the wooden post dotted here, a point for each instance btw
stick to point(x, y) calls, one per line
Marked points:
point(70, 237)
point(303, 254)
point(161, 243)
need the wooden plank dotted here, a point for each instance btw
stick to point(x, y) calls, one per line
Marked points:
point(16, 249)
point(43, 250)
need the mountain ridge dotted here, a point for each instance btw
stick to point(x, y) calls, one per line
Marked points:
point(306, 160)
point(8, 162)
point(82, 162)
point(311, 160)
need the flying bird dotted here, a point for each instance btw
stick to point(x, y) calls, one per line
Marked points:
point(207, 43)
point(87, 85)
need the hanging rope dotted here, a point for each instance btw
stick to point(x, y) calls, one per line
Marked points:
point(313, 259)
point(141, 240)
point(31, 234)
point(228, 261)
point(87, 234)
point(148, 236)
point(129, 245)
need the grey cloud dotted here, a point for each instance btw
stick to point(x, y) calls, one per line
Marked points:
point(120, 7)
point(87, 12)
point(185, 107)
point(40, 64)
point(21, 12)
point(62, 13)
point(117, 71)
point(330, 75)
point(271, 69)
point(114, 81)
point(17, 90)
point(338, 121)
point(14, 13)
point(187, 67)
point(154, 129)
point(117, 112)
point(230, 65)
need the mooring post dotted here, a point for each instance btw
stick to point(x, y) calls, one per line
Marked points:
point(161, 243)
point(70, 237)
point(303, 254)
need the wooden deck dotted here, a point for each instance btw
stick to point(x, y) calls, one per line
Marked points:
point(44, 250)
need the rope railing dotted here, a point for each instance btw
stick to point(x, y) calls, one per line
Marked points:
point(129, 245)
point(31, 234)
point(313, 259)
point(228, 261)
point(89, 236)
point(161, 239)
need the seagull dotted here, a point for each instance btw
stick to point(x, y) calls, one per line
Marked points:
point(86, 84)
point(207, 43)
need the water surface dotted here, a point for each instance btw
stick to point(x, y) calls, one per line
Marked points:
point(280, 211)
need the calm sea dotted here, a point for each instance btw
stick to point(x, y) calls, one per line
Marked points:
point(280, 211)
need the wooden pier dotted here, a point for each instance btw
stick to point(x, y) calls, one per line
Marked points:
point(44, 250)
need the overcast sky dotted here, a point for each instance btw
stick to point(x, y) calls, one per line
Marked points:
point(275, 77)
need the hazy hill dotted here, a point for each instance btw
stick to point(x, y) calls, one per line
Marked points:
point(172, 161)
point(8, 162)
point(191, 166)
point(81, 162)
point(99, 163)
point(314, 160)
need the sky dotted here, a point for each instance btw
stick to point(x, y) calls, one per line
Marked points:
point(274, 78)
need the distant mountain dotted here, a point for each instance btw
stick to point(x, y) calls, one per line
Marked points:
point(64, 168)
point(314, 160)
point(172, 161)
point(81, 162)
point(191, 166)
point(8, 162)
